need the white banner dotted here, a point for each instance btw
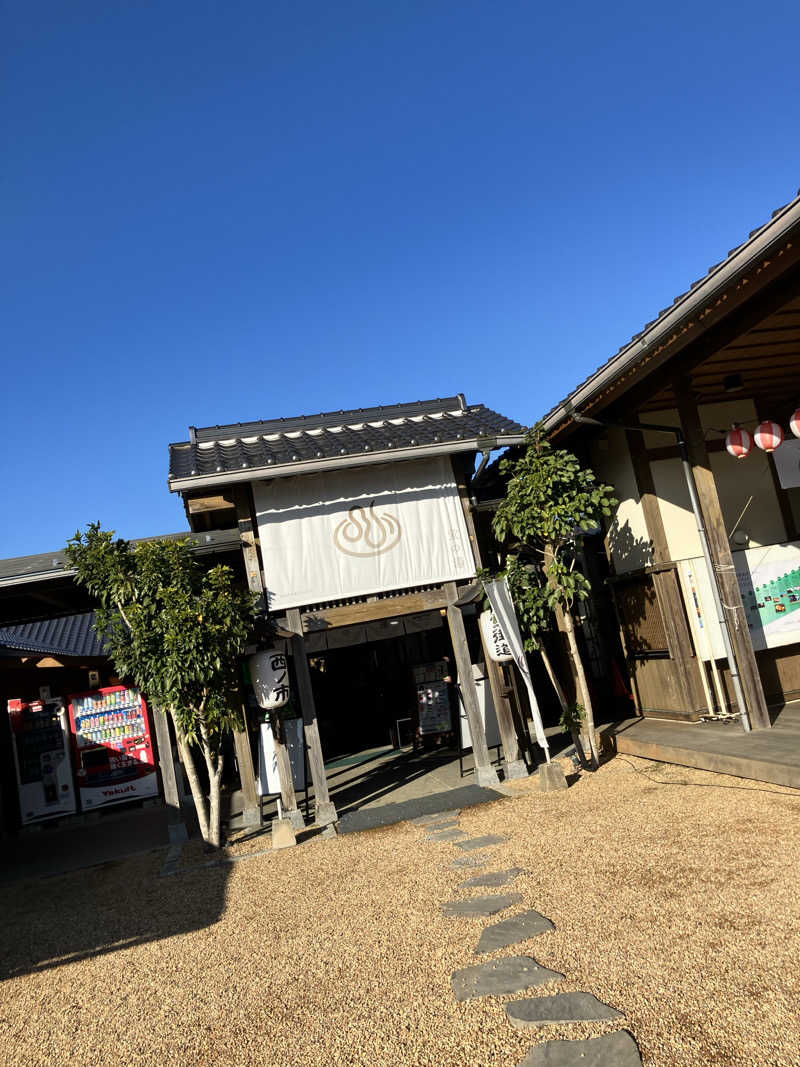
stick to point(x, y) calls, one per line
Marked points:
point(361, 531)
point(503, 607)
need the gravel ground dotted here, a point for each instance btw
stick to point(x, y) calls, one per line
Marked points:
point(678, 906)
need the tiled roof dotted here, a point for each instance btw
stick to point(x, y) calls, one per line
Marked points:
point(620, 356)
point(326, 440)
point(72, 635)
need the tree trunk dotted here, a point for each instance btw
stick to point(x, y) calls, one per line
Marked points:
point(574, 734)
point(214, 768)
point(194, 782)
point(583, 686)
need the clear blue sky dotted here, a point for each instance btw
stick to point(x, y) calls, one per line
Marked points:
point(222, 212)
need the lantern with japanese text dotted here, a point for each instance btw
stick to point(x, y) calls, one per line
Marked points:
point(794, 423)
point(496, 644)
point(769, 436)
point(269, 673)
point(738, 442)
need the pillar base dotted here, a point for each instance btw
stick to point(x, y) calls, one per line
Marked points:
point(486, 777)
point(515, 769)
point(551, 776)
point(282, 834)
point(325, 813)
point(251, 817)
point(295, 817)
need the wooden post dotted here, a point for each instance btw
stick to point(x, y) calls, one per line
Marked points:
point(513, 765)
point(176, 827)
point(324, 808)
point(485, 774)
point(721, 554)
point(665, 582)
point(241, 738)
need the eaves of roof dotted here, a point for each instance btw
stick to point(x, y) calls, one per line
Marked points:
point(70, 635)
point(759, 245)
point(345, 439)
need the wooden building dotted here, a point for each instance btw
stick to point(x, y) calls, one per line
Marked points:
point(725, 353)
point(357, 529)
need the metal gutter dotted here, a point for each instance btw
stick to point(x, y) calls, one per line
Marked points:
point(774, 231)
point(285, 470)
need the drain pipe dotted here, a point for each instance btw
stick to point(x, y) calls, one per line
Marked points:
point(716, 592)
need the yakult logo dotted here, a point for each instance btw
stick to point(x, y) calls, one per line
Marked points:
point(367, 532)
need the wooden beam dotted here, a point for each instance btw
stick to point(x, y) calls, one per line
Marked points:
point(176, 827)
point(373, 610)
point(324, 808)
point(721, 554)
point(241, 738)
point(198, 504)
point(485, 774)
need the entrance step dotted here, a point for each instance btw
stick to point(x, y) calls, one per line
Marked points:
point(513, 930)
point(510, 974)
point(479, 906)
point(611, 1050)
point(562, 1008)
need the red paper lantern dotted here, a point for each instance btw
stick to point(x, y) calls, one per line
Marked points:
point(794, 423)
point(769, 436)
point(738, 442)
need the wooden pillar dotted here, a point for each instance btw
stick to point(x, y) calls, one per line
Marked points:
point(485, 774)
point(324, 808)
point(241, 738)
point(513, 765)
point(665, 582)
point(176, 827)
point(721, 554)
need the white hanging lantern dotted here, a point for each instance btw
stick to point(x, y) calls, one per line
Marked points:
point(794, 423)
point(738, 442)
point(496, 644)
point(269, 673)
point(769, 436)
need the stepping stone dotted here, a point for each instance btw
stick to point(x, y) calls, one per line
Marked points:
point(483, 842)
point(470, 860)
point(493, 880)
point(513, 930)
point(612, 1050)
point(432, 827)
point(562, 1008)
point(446, 835)
point(480, 905)
point(510, 974)
point(436, 816)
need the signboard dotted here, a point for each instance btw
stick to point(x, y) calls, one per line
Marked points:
point(487, 712)
point(269, 783)
point(360, 531)
point(433, 698)
point(496, 644)
point(769, 580)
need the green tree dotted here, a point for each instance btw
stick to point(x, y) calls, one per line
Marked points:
point(178, 630)
point(551, 503)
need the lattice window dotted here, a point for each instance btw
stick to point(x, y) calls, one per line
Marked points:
point(640, 615)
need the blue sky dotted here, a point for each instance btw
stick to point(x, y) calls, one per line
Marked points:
point(222, 212)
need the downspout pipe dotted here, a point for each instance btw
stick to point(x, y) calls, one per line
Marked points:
point(691, 485)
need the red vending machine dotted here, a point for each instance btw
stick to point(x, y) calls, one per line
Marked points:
point(114, 756)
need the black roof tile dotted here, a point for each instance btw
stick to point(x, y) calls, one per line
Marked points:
point(236, 448)
point(71, 635)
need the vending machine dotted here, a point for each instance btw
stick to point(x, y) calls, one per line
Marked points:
point(113, 749)
point(40, 733)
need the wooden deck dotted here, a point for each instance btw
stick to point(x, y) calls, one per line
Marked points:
point(763, 755)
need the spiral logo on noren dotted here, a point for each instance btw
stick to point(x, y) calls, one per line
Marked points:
point(367, 532)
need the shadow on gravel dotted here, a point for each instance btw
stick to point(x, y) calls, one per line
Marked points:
point(52, 919)
point(386, 814)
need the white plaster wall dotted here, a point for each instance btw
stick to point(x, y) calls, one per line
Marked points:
point(626, 538)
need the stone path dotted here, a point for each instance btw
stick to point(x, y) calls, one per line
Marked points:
point(562, 1008)
point(479, 906)
point(509, 974)
point(515, 974)
point(513, 930)
point(492, 880)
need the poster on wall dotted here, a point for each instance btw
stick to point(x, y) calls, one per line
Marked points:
point(769, 580)
point(360, 531)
